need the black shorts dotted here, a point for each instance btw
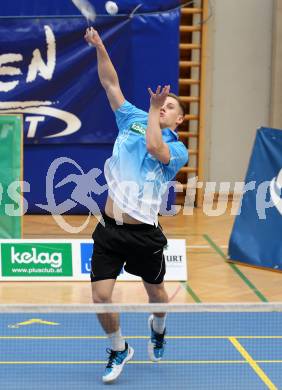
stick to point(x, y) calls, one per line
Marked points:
point(139, 247)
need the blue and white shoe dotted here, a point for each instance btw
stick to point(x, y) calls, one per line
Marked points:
point(156, 343)
point(117, 360)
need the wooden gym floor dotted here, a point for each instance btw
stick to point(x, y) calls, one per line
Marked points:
point(210, 277)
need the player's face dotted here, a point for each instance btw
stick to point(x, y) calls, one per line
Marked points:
point(171, 114)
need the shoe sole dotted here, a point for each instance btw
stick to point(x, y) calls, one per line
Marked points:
point(150, 344)
point(129, 357)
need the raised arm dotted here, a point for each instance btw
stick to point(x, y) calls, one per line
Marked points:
point(154, 142)
point(107, 73)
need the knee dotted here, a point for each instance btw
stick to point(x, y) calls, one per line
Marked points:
point(101, 296)
point(157, 294)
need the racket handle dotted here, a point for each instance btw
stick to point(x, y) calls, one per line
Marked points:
point(89, 43)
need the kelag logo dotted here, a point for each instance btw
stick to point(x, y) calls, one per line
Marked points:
point(36, 259)
point(86, 254)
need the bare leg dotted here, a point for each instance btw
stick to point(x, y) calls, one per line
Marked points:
point(156, 322)
point(156, 294)
point(120, 351)
point(102, 293)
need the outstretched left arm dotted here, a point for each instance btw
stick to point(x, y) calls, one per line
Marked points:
point(154, 142)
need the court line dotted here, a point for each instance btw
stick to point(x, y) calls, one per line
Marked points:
point(143, 362)
point(133, 337)
point(190, 291)
point(270, 385)
point(174, 294)
point(236, 269)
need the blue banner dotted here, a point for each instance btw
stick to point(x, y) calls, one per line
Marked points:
point(49, 73)
point(256, 237)
point(66, 7)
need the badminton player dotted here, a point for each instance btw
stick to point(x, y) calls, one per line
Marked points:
point(146, 156)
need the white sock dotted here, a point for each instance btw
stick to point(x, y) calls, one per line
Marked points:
point(159, 324)
point(117, 341)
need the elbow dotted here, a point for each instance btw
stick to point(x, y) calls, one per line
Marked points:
point(107, 86)
point(110, 85)
point(152, 149)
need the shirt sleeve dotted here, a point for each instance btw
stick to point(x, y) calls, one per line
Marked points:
point(178, 157)
point(127, 113)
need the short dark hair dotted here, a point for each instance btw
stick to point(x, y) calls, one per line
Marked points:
point(181, 105)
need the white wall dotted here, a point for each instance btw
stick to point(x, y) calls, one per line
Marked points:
point(239, 84)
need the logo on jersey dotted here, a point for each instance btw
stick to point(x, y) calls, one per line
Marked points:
point(138, 128)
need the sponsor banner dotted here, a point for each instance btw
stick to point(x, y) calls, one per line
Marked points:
point(71, 260)
point(176, 262)
point(49, 73)
point(36, 260)
point(256, 234)
point(10, 176)
point(86, 250)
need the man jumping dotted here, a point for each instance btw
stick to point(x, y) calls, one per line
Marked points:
point(146, 156)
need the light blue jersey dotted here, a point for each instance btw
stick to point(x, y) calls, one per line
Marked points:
point(136, 179)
